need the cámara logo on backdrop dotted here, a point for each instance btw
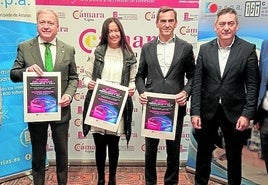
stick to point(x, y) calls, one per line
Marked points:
point(187, 30)
point(79, 96)
point(150, 16)
point(84, 147)
point(87, 16)
point(211, 7)
point(88, 40)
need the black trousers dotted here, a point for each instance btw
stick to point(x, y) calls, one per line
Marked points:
point(173, 158)
point(38, 133)
point(264, 135)
point(101, 143)
point(205, 138)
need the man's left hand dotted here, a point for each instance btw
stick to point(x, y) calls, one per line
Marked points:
point(65, 100)
point(181, 98)
point(242, 123)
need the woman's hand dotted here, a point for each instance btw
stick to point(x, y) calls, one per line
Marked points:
point(91, 84)
point(131, 91)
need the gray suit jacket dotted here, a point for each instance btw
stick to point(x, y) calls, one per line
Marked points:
point(237, 88)
point(29, 54)
point(150, 78)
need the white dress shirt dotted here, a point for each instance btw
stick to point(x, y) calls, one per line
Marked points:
point(165, 52)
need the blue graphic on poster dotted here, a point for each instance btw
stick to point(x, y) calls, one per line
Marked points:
point(105, 112)
point(159, 123)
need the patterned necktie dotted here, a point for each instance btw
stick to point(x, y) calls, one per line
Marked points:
point(48, 58)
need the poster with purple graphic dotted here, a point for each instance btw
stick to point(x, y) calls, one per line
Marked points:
point(41, 96)
point(159, 116)
point(106, 105)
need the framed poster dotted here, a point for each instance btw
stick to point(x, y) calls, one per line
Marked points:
point(106, 105)
point(41, 96)
point(159, 116)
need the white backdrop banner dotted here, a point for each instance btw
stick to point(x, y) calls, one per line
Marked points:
point(80, 25)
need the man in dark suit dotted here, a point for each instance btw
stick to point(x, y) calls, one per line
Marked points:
point(224, 96)
point(30, 58)
point(164, 62)
point(262, 114)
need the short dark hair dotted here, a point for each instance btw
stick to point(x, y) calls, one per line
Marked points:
point(164, 9)
point(225, 11)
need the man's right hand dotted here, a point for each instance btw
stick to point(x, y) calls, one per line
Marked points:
point(196, 122)
point(143, 99)
point(257, 126)
point(35, 68)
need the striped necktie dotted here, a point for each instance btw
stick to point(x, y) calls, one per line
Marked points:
point(48, 58)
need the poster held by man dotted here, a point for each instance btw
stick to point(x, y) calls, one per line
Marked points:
point(159, 116)
point(41, 96)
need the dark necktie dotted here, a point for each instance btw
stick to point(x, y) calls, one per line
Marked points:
point(48, 58)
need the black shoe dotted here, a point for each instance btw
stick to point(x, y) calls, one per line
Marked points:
point(112, 181)
point(101, 182)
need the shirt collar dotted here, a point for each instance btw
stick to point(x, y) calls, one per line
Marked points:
point(169, 41)
point(41, 41)
point(227, 47)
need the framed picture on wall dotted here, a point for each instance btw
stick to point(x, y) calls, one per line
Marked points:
point(159, 116)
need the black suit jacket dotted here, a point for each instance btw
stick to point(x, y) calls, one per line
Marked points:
point(237, 88)
point(150, 78)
